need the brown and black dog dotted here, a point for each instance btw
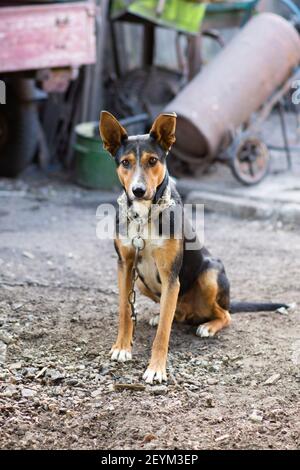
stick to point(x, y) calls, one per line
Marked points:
point(190, 285)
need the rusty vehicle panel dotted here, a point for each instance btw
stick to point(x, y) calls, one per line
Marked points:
point(47, 36)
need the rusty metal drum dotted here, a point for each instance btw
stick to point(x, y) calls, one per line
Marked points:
point(233, 86)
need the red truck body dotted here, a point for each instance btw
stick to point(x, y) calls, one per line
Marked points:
point(36, 37)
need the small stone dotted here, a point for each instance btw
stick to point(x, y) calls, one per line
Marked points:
point(5, 337)
point(159, 390)
point(30, 372)
point(256, 416)
point(16, 306)
point(3, 349)
point(271, 380)
point(148, 438)
point(72, 382)
point(96, 393)
point(10, 391)
point(27, 254)
point(193, 387)
point(212, 381)
point(28, 392)
point(104, 369)
point(15, 366)
point(225, 437)
point(202, 363)
point(210, 403)
point(55, 376)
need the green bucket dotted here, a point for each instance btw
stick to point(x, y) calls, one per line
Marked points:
point(94, 166)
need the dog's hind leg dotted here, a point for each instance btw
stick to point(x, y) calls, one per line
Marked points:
point(214, 294)
point(221, 320)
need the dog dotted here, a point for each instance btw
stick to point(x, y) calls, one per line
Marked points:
point(190, 285)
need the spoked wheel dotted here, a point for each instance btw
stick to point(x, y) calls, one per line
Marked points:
point(250, 160)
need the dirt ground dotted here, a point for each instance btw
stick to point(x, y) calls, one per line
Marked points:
point(58, 319)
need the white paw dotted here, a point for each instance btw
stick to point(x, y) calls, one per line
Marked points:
point(286, 310)
point(204, 332)
point(154, 320)
point(120, 355)
point(151, 375)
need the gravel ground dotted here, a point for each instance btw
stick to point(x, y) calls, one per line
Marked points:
point(58, 319)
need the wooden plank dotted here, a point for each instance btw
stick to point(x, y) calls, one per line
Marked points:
point(96, 95)
point(47, 36)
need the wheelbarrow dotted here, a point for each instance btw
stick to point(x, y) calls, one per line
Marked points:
point(222, 110)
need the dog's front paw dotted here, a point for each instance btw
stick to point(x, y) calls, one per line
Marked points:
point(157, 374)
point(120, 355)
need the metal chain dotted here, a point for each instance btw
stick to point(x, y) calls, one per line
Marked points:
point(139, 244)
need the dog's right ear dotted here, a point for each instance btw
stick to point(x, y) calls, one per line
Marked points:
point(111, 132)
point(163, 130)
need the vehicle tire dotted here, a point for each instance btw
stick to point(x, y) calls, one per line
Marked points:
point(250, 160)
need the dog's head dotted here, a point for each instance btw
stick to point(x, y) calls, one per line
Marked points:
point(141, 159)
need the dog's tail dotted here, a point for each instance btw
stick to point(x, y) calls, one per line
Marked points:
point(239, 307)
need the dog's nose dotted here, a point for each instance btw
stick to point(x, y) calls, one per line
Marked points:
point(139, 190)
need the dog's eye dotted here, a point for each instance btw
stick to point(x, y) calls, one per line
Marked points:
point(153, 161)
point(125, 163)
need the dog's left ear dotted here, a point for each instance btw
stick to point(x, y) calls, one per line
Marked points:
point(163, 130)
point(111, 132)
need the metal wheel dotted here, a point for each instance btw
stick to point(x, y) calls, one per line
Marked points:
point(250, 160)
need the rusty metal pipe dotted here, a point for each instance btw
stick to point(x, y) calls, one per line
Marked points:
point(233, 85)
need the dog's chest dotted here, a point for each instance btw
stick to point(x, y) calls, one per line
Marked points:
point(147, 269)
point(146, 266)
